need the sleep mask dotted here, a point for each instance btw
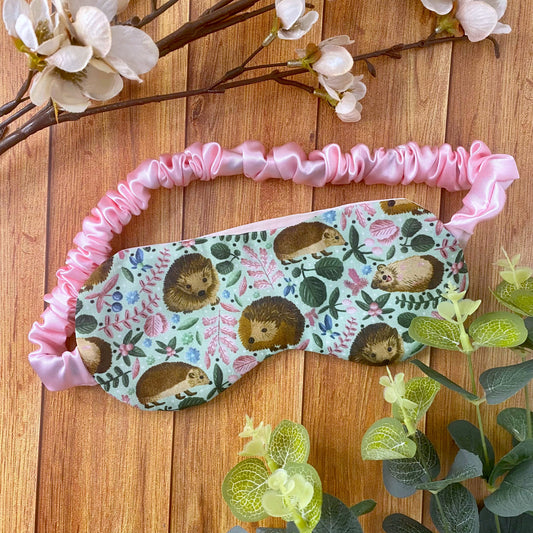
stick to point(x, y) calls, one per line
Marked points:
point(172, 325)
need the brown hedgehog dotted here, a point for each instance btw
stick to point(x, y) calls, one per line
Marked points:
point(169, 379)
point(413, 274)
point(272, 323)
point(99, 275)
point(306, 238)
point(400, 206)
point(377, 344)
point(95, 353)
point(191, 283)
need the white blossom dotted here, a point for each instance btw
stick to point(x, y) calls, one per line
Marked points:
point(346, 90)
point(334, 59)
point(479, 18)
point(295, 23)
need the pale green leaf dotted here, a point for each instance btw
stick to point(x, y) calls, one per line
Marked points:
point(436, 333)
point(421, 391)
point(505, 381)
point(243, 489)
point(446, 310)
point(523, 299)
point(504, 291)
point(514, 420)
point(274, 504)
point(459, 510)
point(465, 466)
point(523, 274)
point(515, 494)
point(468, 307)
point(523, 451)
point(289, 443)
point(508, 276)
point(500, 329)
point(386, 439)
point(312, 511)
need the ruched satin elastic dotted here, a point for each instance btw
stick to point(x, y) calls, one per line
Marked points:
point(485, 175)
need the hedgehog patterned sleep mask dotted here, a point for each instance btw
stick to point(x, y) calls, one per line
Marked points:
point(172, 325)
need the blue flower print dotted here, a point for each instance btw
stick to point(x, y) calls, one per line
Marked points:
point(226, 294)
point(132, 297)
point(137, 261)
point(147, 343)
point(366, 269)
point(329, 216)
point(175, 318)
point(327, 326)
point(192, 355)
point(290, 288)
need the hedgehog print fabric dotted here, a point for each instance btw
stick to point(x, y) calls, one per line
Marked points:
point(173, 325)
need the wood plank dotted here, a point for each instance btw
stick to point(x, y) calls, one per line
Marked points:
point(97, 453)
point(206, 442)
point(407, 101)
point(490, 100)
point(23, 190)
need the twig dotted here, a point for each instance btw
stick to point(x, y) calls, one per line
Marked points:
point(10, 106)
point(155, 13)
point(237, 71)
point(15, 116)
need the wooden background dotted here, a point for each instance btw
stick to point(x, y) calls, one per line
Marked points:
point(79, 461)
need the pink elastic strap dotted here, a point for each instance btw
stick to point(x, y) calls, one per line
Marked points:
point(485, 175)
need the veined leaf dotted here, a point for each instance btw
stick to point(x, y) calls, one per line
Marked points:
point(289, 443)
point(336, 518)
point(436, 333)
point(459, 509)
point(514, 524)
point(386, 439)
point(500, 329)
point(505, 381)
point(422, 392)
point(363, 507)
point(243, 489)
point(520, 453)
point(523, 299)
point(330, 268)
point(399, 523)
point(514, 420)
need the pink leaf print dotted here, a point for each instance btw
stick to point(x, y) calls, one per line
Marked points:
point(262, 284)
point(243, 286)
point(385, 231)
point(369, 209)
point(135, 369)
point(343, 221)
point(228, 320)
point(358, 283)
point(155, 325)
point(209, 321)
point(244, 364)
point(250, 252)
point(229, 307)
point(360, 217)
point(220, 336)
point(264, 271)
point(303, 345)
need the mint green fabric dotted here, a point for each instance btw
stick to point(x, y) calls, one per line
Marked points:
point(172, 325)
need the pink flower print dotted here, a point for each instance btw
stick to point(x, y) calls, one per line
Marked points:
point(188, 243)
point(125, 349)
point(311, 316)
point(233, 378)
point(384, 231)
point(456, 267)
point(374, 310)
point(439, 225)
point(357, 283)
point(125, 398)
point(170, 351)
point(350, 308)
point(376, 250)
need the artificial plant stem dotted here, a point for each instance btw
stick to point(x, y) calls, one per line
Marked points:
point(471, 372)
point(482, 434)
point(441, 511)
point(497, 522)
point(528, 414)
point(10, 106)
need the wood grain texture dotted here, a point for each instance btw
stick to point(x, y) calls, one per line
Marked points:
point(80, 461)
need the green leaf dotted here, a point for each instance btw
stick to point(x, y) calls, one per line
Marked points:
point(187, 324)
point(225, 267)
point(466, 465)
point(218, 377)
point(386, 439)
point(399, 523)
point(238, 529)
point(468, 437)
point(514, 524)
point(191, 402)
point(410, 227)
point(422, 243)
point(523, 451)
point(336, 517)
point(289, 443)
point(366, 297)
point(405, 319)
point(313, 292)
point(515, 494)
point(500, 329)
point(243, 489)
point(401, 476)
point(85, 324)
point(391, 252)
point(364, 507)
point(318, 340)
point(353, 238)
point(220, 250)
point(514, 420)
point(127, 274)
point(443, 380)
point(330, 268)
point(334, 297)
point(505, 381)
point(421, 391)
point(233, 278)
point(523, 300)
point(312, 512)
point(291, 528)
point(436, 333)
point(459, 509)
